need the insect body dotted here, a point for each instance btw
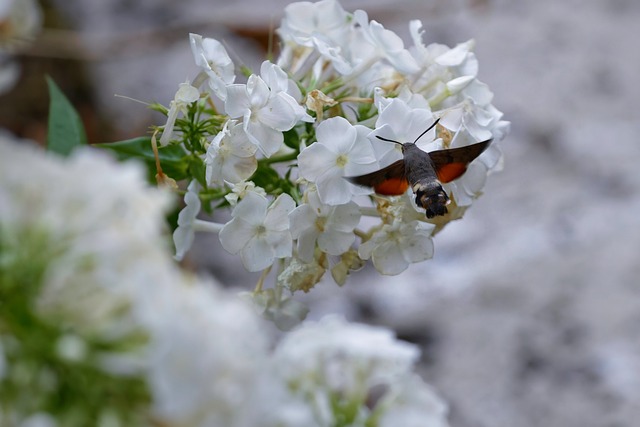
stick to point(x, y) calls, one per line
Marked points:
point(424, 172)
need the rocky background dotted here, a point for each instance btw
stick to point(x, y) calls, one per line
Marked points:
point(529, 313)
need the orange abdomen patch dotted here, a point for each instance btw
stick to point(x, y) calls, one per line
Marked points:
point(392, 187)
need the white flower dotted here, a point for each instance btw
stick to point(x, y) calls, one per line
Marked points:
point(341, 150)
point(273, 304)
point(241, 189)
point(330, 226)
point(210, 55)
point(185, 95)
point(412, 403)
point(474, 112)
point(413, 100)
point(323, 26)
point(258, 233)
point(398, 122)
point(336, 361)
point(183, 235)
point(396, 245)
point(20, 20)
point(386, 43)
point(266, 111)
point(230, 156)
point(206, 353)
point(304, 21)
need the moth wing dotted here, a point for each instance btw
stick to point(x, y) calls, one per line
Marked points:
point(389, 181)
point(452, 162)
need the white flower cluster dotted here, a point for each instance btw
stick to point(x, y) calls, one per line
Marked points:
point(358, 82)
point(92, 229)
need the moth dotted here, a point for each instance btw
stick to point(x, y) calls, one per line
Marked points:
point(424, 172)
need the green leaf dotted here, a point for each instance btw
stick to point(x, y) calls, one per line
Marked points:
point(66, 130)
point(173, 159)
point(198, 170)
point(292, 139)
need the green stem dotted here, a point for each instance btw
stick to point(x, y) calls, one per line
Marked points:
point(279, 159)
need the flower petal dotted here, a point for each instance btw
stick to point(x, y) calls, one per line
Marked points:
point(337, 134)
point(235, 235)
point(252, 208)
point(277, 217)
point(316, 160)
point(335, 242)
point(388, 259)
point(237, 102)
point(257, 254)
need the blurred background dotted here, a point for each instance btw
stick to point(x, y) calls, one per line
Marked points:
point(529, 313)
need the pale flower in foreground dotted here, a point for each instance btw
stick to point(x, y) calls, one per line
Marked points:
point(202, 366)
point(258, 232)
point(396, 245)
point(412, 403)
point(355, 372)
point(341, 150)
point(230, 156)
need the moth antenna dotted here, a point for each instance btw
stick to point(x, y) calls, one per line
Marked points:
point(388, 140)
point(428, 129)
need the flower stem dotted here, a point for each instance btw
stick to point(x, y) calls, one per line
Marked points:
point(263, 276)
point(210, 227)
point(279, 159)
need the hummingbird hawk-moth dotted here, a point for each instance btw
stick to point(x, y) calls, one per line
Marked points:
point(424, 172)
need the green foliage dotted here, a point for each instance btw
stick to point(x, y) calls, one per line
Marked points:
point(66, 130)
point(174, 160)
point(38, 378)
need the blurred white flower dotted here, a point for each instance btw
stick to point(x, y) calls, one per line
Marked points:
point(260, 233)
point(284, 311)
point(412, 403)
point(230, 156)
point(330, 226)
point(396, 245)
point(266, 111)
point(206, 353)
point(303, 21)
point(341, 150)
point(322, 25)
point(335, 365)
point(210, 55)
point(20, 20)
point(185, 96)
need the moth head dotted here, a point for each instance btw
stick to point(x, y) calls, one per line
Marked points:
point(432, 197)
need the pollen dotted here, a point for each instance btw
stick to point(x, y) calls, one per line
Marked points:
point(342, 160)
